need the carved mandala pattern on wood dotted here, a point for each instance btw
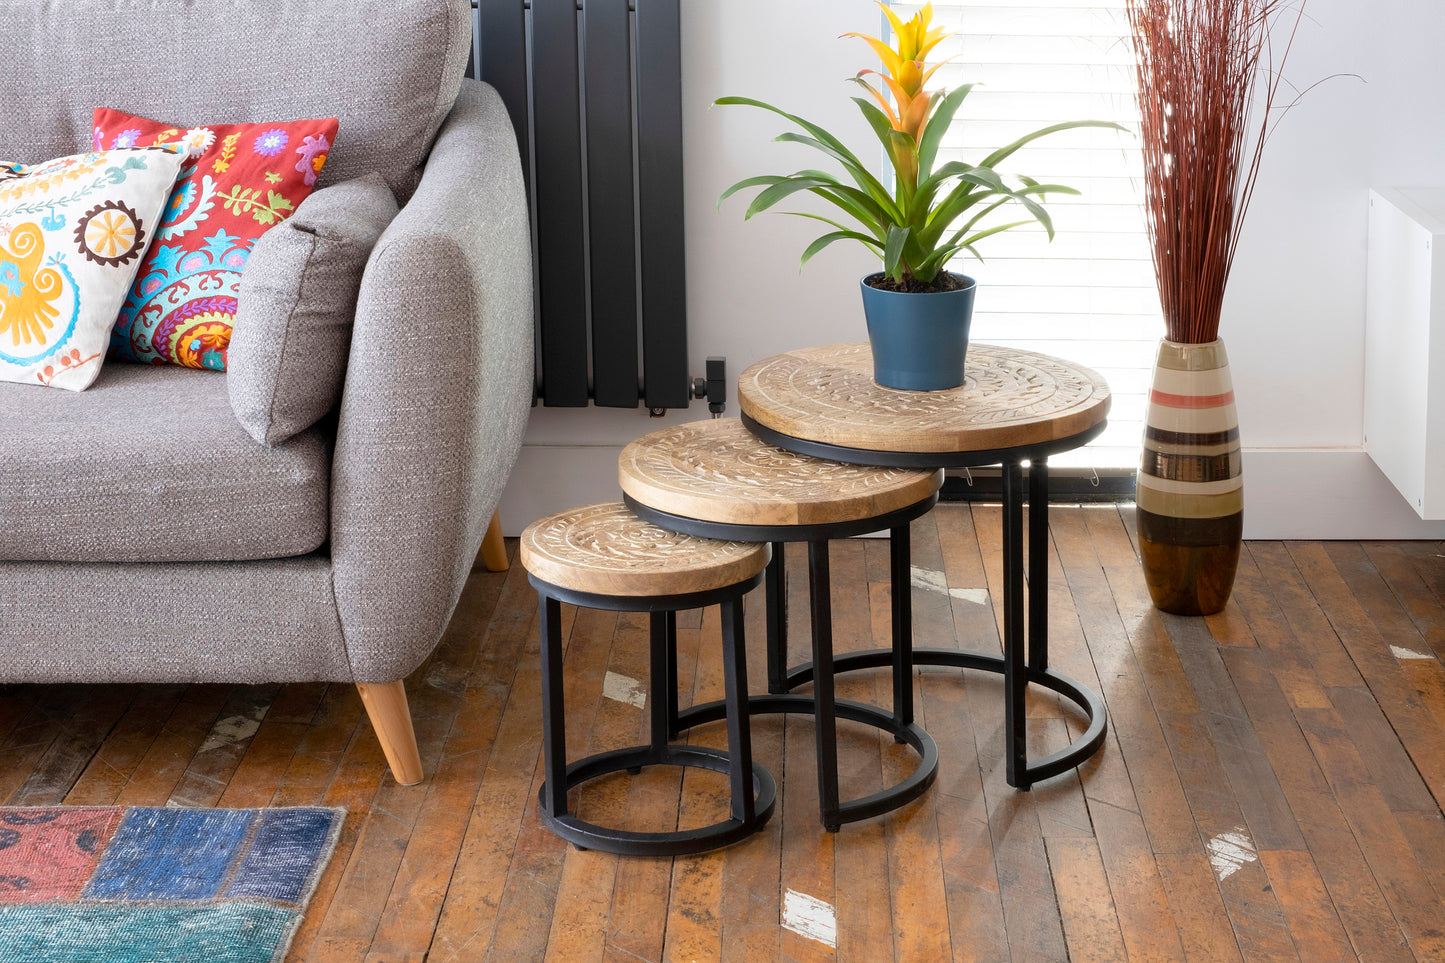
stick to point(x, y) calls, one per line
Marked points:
point(719, 471)
point(1010, 397)
point(608, 550)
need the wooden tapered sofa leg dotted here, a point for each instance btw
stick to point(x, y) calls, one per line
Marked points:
point(386, 707)
point(493, 556)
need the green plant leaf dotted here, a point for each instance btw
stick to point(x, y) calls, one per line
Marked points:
point(893, 251)
point(878, 120)
point(935, 262)
point(999, 229)
point(828, 221)
point(898, 146)
point(972, 221)
point(1042, 189)
point(849, 200)
point(985, 178)
point(857, 205)
point(902, 152)
point(855, 168)
point(827, 239)
point(745, 183)
point(963, 196)
point(941, 116)
point(1039, 213)
point(821, 139)
point(928, 187)
point(1004, 152)
point(787, 187)
point(951, 169)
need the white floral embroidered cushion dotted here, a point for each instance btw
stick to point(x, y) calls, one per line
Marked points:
point(72, 233)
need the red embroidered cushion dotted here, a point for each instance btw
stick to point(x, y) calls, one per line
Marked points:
point(240, 179)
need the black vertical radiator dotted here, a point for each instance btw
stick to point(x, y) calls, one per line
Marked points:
point(594, 90)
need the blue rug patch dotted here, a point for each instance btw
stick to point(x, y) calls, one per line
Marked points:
point(120, 933)
point(283, 853)
point(170, 854)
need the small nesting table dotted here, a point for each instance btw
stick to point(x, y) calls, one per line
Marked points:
point(604, 557)
point(715, 479)
point(1014, 406)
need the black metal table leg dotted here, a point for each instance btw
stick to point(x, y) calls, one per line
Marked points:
point(735, 689)
point(1038, 565)
point(820, 596)
point(671, 621)
point(554, 709)
point(1015, 673)
point(900, 556)
point(776, 587)
point(661, 721)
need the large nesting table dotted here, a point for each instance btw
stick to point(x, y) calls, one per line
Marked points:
point(1014, 407)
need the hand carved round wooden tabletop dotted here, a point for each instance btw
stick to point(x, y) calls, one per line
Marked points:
point(607, 550)
point(1010, 398)
point(718, 471)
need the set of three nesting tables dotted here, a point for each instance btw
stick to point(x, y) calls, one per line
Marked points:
point(821, 452)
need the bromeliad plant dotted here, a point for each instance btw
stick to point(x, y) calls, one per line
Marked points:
point(931, 214)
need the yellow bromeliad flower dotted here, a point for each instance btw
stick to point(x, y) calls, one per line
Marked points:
point(907, 73)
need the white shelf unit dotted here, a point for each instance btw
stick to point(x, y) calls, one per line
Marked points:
point(1405, 343)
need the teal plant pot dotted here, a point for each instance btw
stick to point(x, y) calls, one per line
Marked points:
point(919, 340)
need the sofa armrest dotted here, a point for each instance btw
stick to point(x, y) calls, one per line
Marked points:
point(438, 390)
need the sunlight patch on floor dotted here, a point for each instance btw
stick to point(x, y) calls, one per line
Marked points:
point(810, 917)
point(1228, 852)
point(931, 581)
point(621, 688)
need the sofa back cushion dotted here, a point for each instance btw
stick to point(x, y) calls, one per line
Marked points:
point(387, 69)
point(297, 303)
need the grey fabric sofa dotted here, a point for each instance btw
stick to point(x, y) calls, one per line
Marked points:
point(144, 536)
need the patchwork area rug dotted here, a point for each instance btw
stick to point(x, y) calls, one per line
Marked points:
point(132, 884)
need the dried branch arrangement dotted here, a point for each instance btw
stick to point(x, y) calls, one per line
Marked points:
point(1198, 62)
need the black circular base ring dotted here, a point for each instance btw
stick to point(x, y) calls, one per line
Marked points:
point(1073, 690)
point(864, 807)
point(683, 843)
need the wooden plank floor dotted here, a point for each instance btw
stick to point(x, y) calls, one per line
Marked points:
point(1271, 786)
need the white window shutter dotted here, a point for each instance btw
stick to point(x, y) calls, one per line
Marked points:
point(1090, 295)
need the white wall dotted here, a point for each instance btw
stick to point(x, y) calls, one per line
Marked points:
point(1293, 320)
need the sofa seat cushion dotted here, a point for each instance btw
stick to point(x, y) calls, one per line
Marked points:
point(151, 465)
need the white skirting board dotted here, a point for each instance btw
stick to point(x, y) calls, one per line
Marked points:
point(1289, 493)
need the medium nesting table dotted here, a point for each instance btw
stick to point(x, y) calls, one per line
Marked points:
point(715, 479)
point(1014, 406)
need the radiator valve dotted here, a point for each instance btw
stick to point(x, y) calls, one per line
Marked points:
point(714, 387)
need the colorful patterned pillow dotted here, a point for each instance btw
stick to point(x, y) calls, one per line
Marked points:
point(73, 232)
point(240, 180)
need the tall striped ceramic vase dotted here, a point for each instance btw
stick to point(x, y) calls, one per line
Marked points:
point(1190, 493)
